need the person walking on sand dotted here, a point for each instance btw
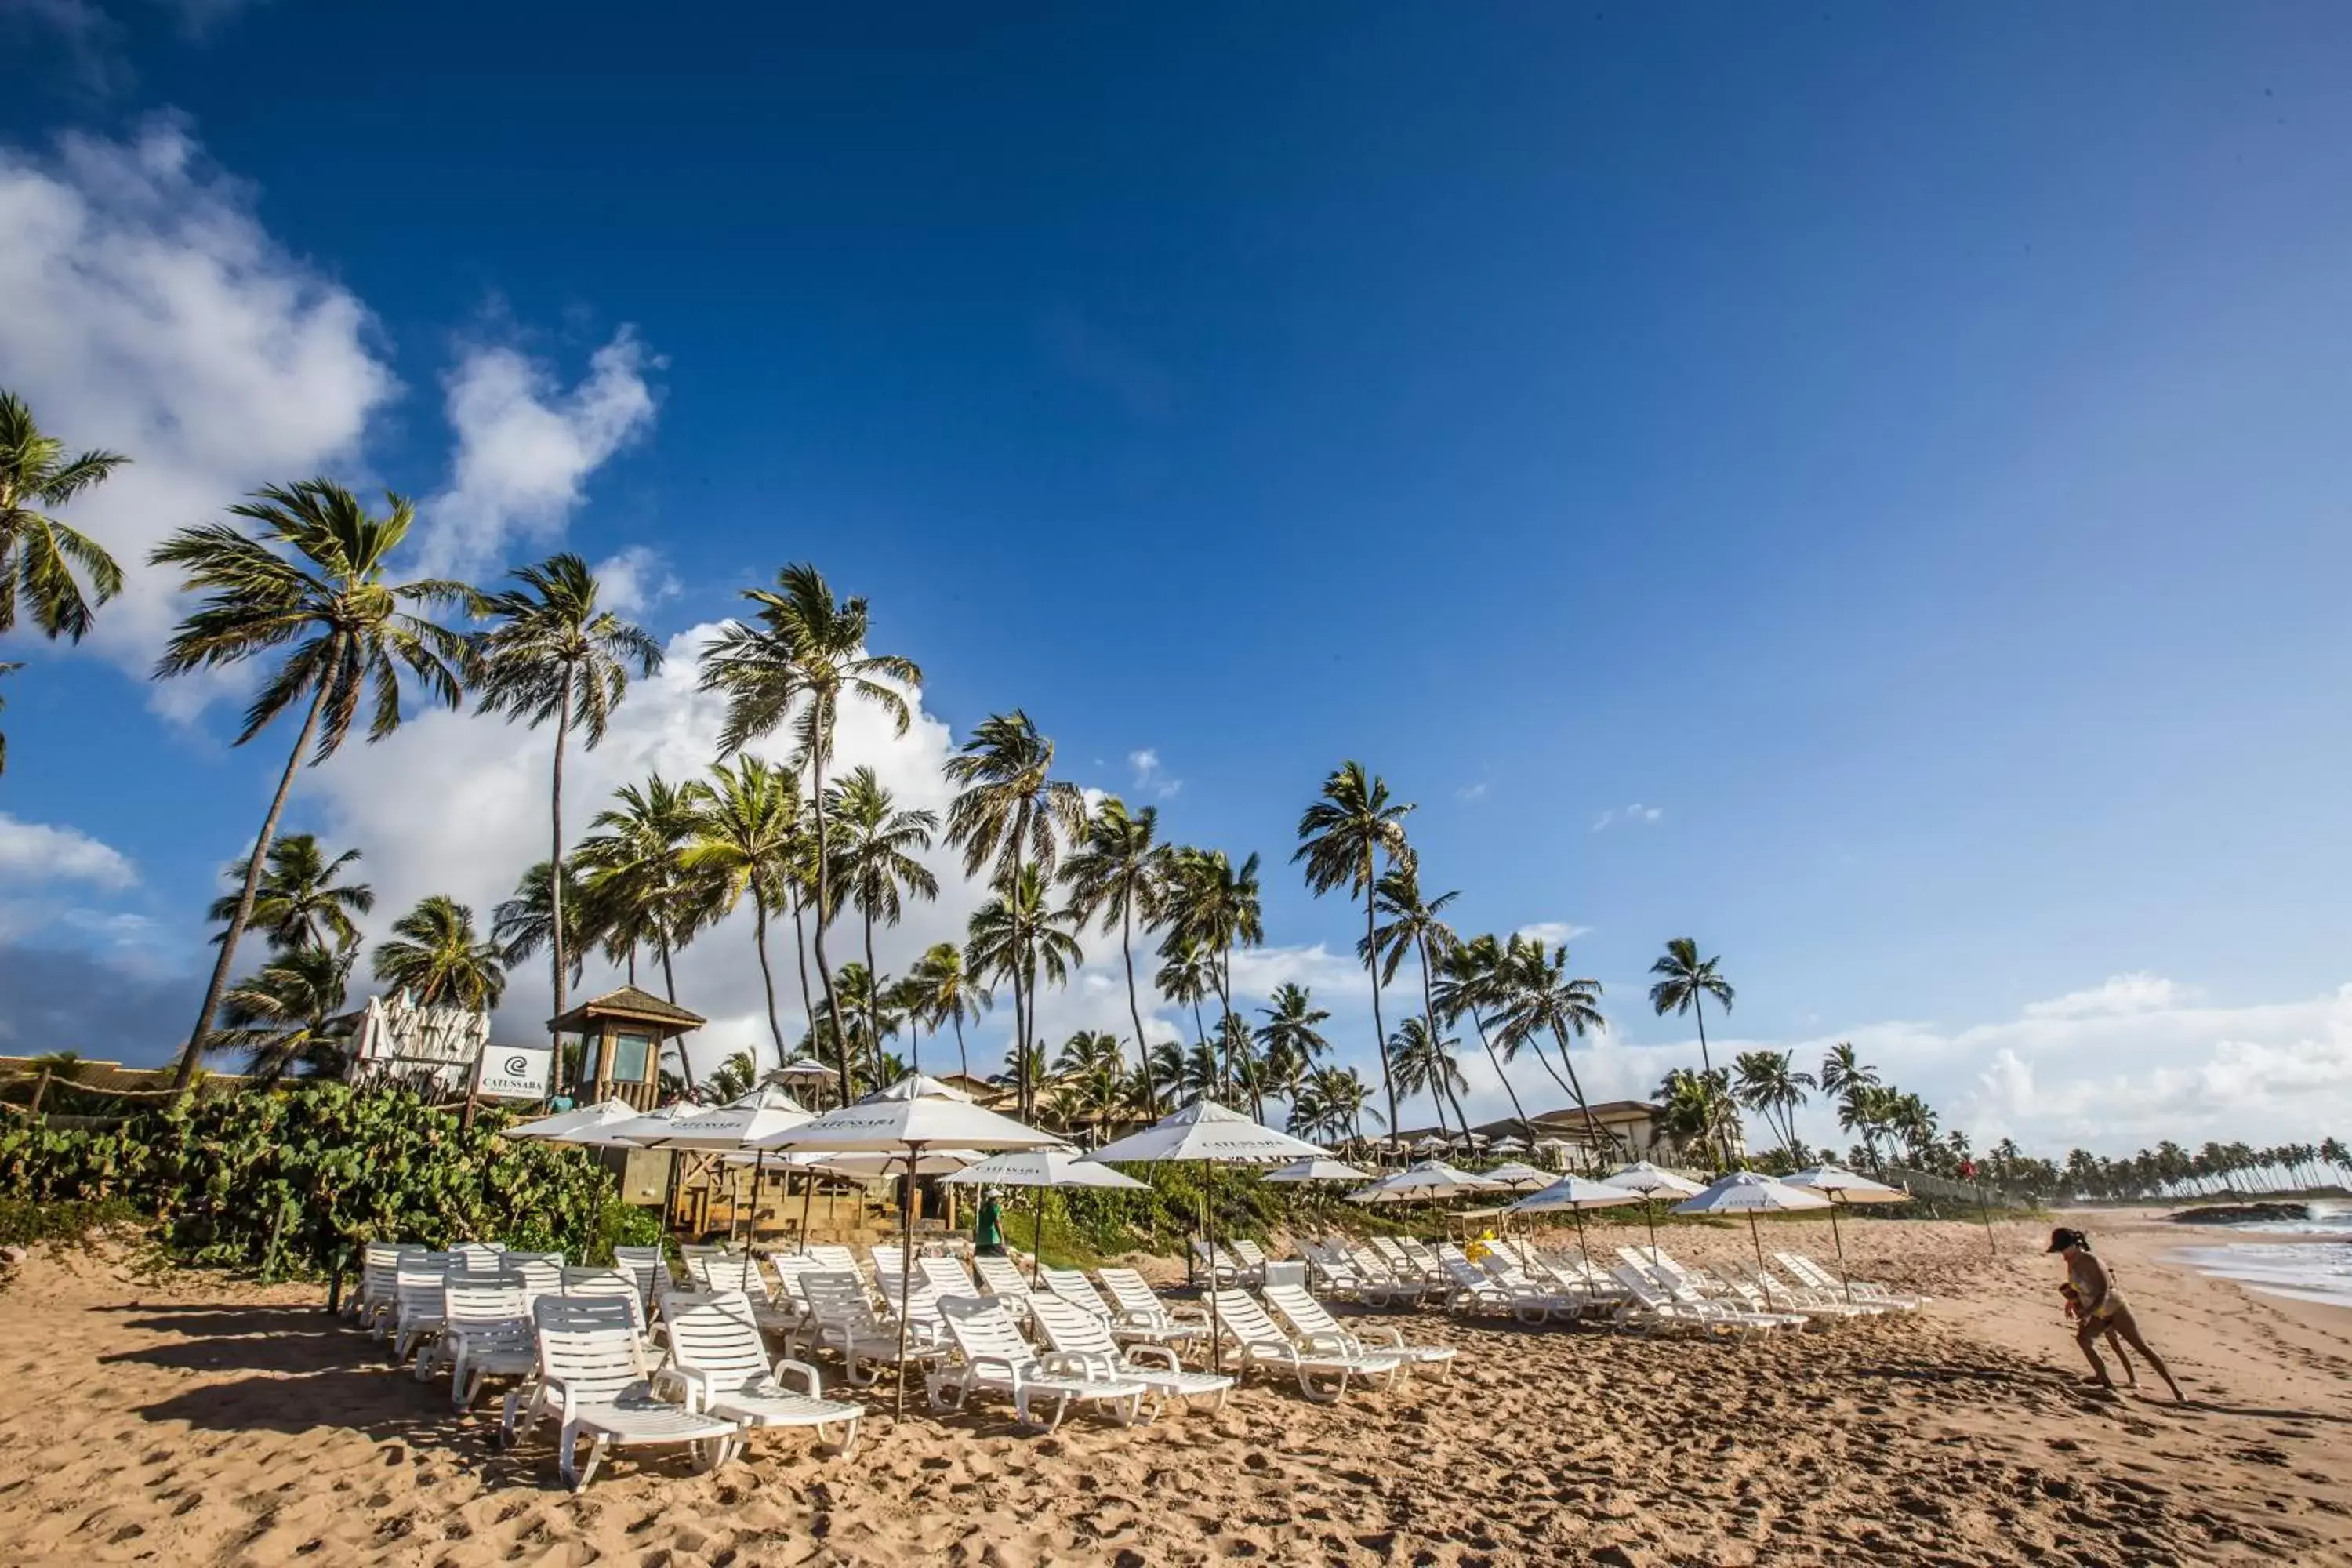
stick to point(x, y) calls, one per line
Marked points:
point(2104, 1310)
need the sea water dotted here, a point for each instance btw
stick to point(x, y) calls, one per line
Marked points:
point(2313, 1270)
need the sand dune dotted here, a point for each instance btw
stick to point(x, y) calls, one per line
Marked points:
point(185, 1420)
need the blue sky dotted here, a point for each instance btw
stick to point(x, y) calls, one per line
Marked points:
point(1904, 453)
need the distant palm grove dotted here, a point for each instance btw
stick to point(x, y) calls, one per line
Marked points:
point(304, 583)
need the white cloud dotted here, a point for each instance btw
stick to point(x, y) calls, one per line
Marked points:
point(2120, 993)
point(1633, 816)
point(526, 446)
point(148, 311)
point(1472, 792)
point(1151, 774)
point(37, 852)
point(1551, 932)
point(635, 581)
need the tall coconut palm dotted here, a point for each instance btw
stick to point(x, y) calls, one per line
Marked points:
point(1698, 1109)
point(800, 658)
point(524, 925)
point(1333, 1103)
point(300, 902)
point(1013, 812)
point(5, 669)
point(1118, 872)
point(634, 864)
point(312, 583)
point(1768, 1083)
point(1345, 837)
point(743, 842)
point(1842, 1068)
point(1013, 936)
point(1540, 998)
point(1425, 1063)
point(1211, 906)
point(282, 1016)
point(1186, 977)
point(436, 954)
point(874, 860)
point(38, 554)
point(865, 1005)
point(1411, 925)
point(550, 654)
point(948, 994)
point(1290, 1040)
point(1469, 985)
point(1686, 981)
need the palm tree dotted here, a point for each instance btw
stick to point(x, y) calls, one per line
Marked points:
point(1768, 1083)
point(865, 1003)
point(732, 1079)
point(435, 955)
point(1211, 907)
point(1007, 811)
point(807, 653)
point(1841, 1070)
point(550, 653)
point(1687, 981)
point(524, 924)
point(1333, 1103)
point(634, 863)
point(1089, 1051)
point(39, 553)
point(1469, 984)
point(314, 580)
point(1289, 1039)
point(1343, 837)
point(1118, 872)
point(5, 669)
point(1015, 935)
point(1425, 1061)
point(1696, 1108)
point(281, 1017)
point(299, 903)
point(874, 860)
point(949, 995)
point(1413, 926)
point(1540, 998)
point(743, 841)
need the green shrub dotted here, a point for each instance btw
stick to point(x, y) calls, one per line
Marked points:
point(291, 1182)
point(22, 1221)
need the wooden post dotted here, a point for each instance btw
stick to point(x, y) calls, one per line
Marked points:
point(40, 1088)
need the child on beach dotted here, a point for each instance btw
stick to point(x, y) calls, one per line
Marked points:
point(2104, 1310)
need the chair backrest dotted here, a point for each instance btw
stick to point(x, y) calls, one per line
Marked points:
point(482, 1302)
point(380, 1255)
point(1388, 1247)
point(947, 1276)
point(1373, 1265)
point(1134, 1297)
point(1240, 1316)
point(837, 1297)
point(611, 1282)
point(1071, 1330)
point(698, 1267)
point(835, 1257)
point(644, 1265)
point(1002, 1278)
point(535, 1277)
point(418, 1285)
point(984, 1330)
point(735, 1274)
point(1249, 1252)
point(1075, 1288)
point(1640, 1286)
point(888, 1259)
point(588, 1346)
point(791, 1269)
point(1300, 1310)
point(717, 1335)
point(1810, 1272)
point(1204, 1256)
point(474, 1258)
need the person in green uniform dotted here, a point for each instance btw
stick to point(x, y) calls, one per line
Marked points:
point(988, 1227)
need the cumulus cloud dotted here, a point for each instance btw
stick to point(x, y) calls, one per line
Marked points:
point(2120, 993)
point(635, 581)
point(1633, 816)
point(37, 852)
point(526, 446)
point(1151, 774)
point(1552, 933)
point(149, 311)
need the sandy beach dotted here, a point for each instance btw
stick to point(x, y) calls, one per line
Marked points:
point(182, 1419)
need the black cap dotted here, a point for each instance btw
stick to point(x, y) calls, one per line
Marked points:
point(2062, 1238)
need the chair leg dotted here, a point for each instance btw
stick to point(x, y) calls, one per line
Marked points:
point(596, 1446)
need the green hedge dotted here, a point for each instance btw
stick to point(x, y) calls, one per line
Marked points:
point(290, 1180)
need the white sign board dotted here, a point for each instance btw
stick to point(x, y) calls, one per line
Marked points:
point(514, 1072)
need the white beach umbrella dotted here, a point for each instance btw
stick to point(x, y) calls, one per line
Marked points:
point(1575, 1194)
point(1840, 1185)
point(1206, 1134)
point(910, 1117)
point(604, 1113)
point(1651, 1182)
point(1518, 1177)
point(1317, 1170)
point(624, 1134)
point(1507, 1145)
point(1751, 1194)
point(1432, 1144)
point(1039, 1169)
point(741, 1123)
point(1425, 1182)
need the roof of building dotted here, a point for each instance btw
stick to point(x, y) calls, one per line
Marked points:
point(629, 1002)
point(1568, 1119)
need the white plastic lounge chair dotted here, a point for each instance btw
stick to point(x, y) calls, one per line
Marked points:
point(583, 1282)
point(1329, 1265)
point(593, 1379)
point(1002, 1278)
point(1072, 1286)
point(1687, 1307)
point(486, 1333)
point(1312, 1325)
point(885, 1259)
point(833, 1257)
point(416, 1307)
point(994, 1358)
point(1322, 1374)
point(646, 1265)
point(1252, 1258)
point(1215, 1267)
point(1811, 1273)
point(474, 1258)
point(948, 1278)
point(1383, 1286)
point(721, 1363)
point(842, 1319)
point(379, 1276)
point(534, 1276)
point(1143, 1318)
point(1074, 1332)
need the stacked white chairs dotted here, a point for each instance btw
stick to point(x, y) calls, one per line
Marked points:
point(991, 1356)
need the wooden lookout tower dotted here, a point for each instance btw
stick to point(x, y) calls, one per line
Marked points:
point(621, 1036)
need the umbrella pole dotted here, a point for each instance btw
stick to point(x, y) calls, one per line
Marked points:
point(1838, 1237)
point(1579, 1217)
point(906, 1267)
point(1762, 1278)
point(808, 1191)
point(1038, 1240)
point(1216, 1333)
point(1650, 1213)
point(751, 1226)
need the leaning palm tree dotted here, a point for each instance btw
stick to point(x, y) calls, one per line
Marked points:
point(1212, 905)
point(1118, 872)
point(1686, 981)
point(282, 1016)
point(1425, 1062)
point(873, 861)
point(1768, 1083)
point(524, 925)
point(436, 954)
point(1186, 977)
point(633, 862)
point(550, 653)
point(948, 995)
point(312, 583)
point(1540, 998)
point(1016, 935)
point(1290, 1040)
point(1344, 838)
point(301, 903)
point(803, 654)
point(743, 841)
point(38, 554)
point(1469, 984)
point(1008, 811)
point(1842, 1068)
point(5, 669)
point(1412, 925)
